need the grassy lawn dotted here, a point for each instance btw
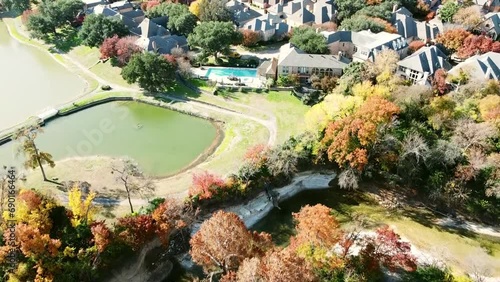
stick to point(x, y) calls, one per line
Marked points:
point(288, 109)
point(202, 84)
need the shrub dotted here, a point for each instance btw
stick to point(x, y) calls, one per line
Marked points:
point(206, 185)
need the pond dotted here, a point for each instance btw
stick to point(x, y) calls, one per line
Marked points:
point(160, 140)
point(31, 81)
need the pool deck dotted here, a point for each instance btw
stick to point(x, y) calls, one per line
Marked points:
point(249, 81)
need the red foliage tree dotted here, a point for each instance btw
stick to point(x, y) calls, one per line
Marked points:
point(250, 37)
point(107, 48)
point(439, 82)
point(415, 45)
point(171, 59)
point(102, 235)
point(125, 48)
point(475, 45)
point(257, 155)
point(348, 139)
point(135, 231)
point(223, 242)
point(169, 217)
point(205, 185)
point(386, 249)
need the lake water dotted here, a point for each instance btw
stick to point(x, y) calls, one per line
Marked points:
point(160, 140)
point(31, 81)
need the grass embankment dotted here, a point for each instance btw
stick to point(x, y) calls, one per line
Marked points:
point(460, 249)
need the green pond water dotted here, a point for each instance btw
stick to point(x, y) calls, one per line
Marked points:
point(160, 140)
point(31, 81)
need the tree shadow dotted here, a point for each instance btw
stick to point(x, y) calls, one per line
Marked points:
point(66, 39)
point(108, 211)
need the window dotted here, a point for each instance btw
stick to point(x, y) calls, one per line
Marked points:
point(315, 71)
point(303, 70)
point(414, 76)
point(355, 49)
point(285, 70)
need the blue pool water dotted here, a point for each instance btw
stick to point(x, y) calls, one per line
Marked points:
point(232, 71)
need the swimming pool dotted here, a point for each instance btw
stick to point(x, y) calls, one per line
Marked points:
point(224, 72)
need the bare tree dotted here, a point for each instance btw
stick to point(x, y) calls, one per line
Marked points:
point(34, 157)
point(469, 134)
point(134, 180)
point(348, 179)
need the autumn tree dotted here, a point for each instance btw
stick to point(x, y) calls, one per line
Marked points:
point(205, 185)
point(439, 83)
point(476, 45)
point(223, 242)
point(135, 231)
point(250, 37)
point(348, 140)
point(453, 39)
point(82, 210)
point(388, 250)
point(414, 46)
point(133, 180)
point(283, 266)
point(170, 217)
point(96, 28)
point(120, 49)
point(468, 17)
point(34, 157)
point(194, 7)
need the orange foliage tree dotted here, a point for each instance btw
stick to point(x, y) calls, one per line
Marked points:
point(102, 235)
point(169, 217)
point(453, 39)
point(348, 139)
point(223, 242)
point(284, 266)
point(250, 37)
point(316, 226)
point(415, 45)
point(439, 82)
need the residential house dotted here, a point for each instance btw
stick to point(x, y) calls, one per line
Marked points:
point(295, 61)
point(304, 12)
point(491, 25)
point(263, 4)
point(364, 45)
point(421, 65)
point(268, 69)
point(409, 28)
point(154, 37)
point(480, 67)
point(490, 5)
point(242, 13)
point(269, 27)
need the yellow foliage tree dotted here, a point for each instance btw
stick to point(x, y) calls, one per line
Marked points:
point(194, 8)
point(333, 107)
point(367, 89)
point(82, 209)
point(489, 107)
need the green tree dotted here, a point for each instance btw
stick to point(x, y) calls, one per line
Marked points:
point(307, 40)
point(362, 22)
point(152, 71)
point(16, 5)
point(347, 8)
point(96, 28)
point(448, 10)
point(214, 37)
point(180, 19)
point(215, 10)
point(53, 15)
point(34, 157)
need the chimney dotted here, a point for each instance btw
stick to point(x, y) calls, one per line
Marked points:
point(340, 54)
point(394, 8)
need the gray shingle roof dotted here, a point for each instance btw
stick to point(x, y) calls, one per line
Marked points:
point(486, 66)
point(242, 13)
point(294, 57)
point(427, 59)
